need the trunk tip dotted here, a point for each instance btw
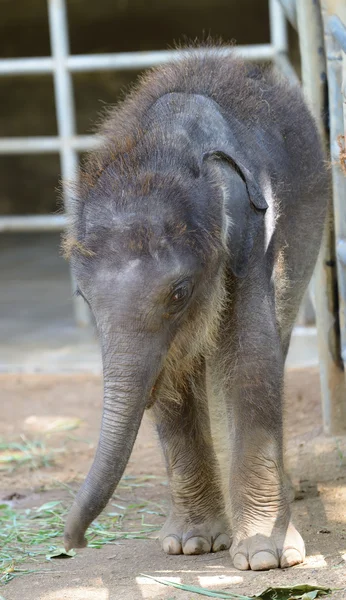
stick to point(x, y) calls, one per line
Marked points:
point(74, 541)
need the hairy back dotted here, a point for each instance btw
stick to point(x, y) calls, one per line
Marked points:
point(257, 97)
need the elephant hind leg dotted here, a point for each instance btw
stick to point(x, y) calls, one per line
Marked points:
point(197, 522)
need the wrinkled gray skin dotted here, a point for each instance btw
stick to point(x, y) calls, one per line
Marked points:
point(193, 247)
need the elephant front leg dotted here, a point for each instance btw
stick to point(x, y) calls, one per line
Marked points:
point(197, 522)
point(264, 536)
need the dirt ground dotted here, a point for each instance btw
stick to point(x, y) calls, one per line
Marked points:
point(31, 406)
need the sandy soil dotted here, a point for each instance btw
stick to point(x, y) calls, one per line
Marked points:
point(31, 406)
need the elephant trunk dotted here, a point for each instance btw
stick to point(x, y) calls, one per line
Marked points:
point(128, 379)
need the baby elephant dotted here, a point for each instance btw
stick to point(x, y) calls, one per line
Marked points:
point(194, 234)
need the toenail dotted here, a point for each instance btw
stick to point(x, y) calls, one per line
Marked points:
point(290, 557)
point(221, 542)
point(171, 544)
point(267, 551)
point(263, 560)
point(240, 562)
point(196, 545)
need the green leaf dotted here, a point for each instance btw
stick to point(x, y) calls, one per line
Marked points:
point(296, 592)
point(60, 553)
point(48, 505)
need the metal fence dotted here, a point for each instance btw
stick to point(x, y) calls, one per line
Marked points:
point(61, 64)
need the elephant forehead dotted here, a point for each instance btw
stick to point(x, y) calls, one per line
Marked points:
point(108, 275)
point(132, 237)
point(137, 279)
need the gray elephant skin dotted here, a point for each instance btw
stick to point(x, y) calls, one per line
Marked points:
point(194, 233)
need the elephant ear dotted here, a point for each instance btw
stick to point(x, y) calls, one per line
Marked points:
point(244, 207)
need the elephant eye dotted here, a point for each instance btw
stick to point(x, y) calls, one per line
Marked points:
point(180, 295)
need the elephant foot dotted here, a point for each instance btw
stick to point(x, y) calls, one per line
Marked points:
point(284, 547)
point(179, 536)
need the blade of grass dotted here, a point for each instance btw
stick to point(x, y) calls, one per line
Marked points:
point(199, 590)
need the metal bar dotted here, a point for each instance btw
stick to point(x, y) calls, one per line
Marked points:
point(343, 158)
point(26, 66)
point(286, 69)
point(62, 86)
point(290, 9)
point(46, 144)
point(29, 145)
point(120, 61)
point(338, 31)
point(310, 29)
point(278, 29)
point(335, 414)
point(143, 60)
point(31, 223)
point(279, 40)
point(336, 123)
point(64, 104)
point(313, 59)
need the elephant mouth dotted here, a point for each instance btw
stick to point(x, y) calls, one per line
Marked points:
point(155, 391)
